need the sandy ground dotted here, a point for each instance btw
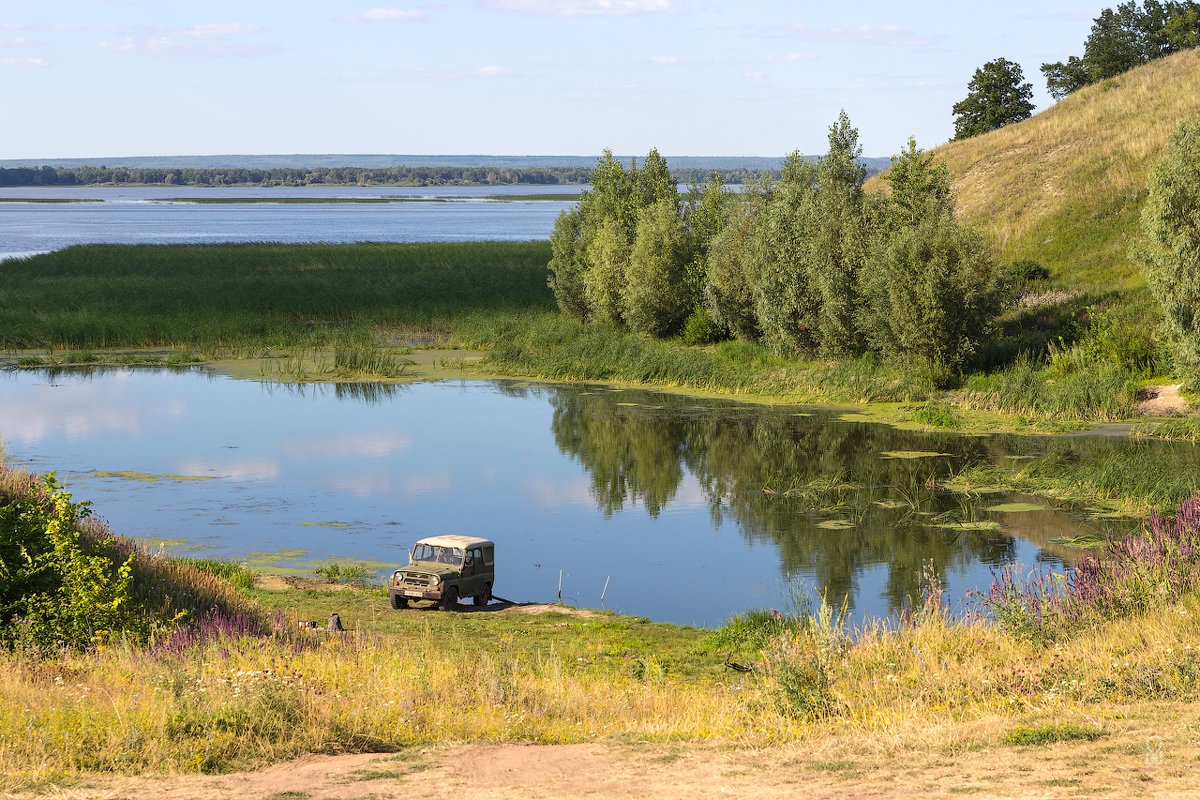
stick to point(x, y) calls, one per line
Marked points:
point(1162, 401)
point(1127, 763)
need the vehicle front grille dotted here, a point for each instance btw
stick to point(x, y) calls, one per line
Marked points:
point(416, 579)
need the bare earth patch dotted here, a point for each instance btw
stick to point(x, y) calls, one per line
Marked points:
point(1162, 401)
point(1155, 756)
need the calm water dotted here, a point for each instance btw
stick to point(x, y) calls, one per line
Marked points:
point(659, 495)
point(144, 215)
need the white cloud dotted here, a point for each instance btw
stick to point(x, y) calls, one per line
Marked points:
point(386, 15)
point(247, 470)
point(22, 62)
point(376, 484)
point(208, 40)
point(215, 31)
point(791, 58)
point(560, 494)
point(18, 42)
point(882, 35)
point(665, 60)
point(585, 8)
point(426, 75)
point(753, 76)
point(352, 446)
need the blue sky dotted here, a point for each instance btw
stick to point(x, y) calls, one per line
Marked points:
point(84, 78)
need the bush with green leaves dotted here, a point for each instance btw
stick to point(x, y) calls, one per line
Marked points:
point(1170, 246)
point(653, 301)
point(932, 295)
point(56, 588)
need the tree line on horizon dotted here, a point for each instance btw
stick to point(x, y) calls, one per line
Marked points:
point(343, 176)
point(809, 264)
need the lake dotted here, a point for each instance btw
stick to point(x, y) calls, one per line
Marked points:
point(659, 497)
point(132, 215)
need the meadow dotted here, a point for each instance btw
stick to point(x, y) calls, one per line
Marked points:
point(1040, 660)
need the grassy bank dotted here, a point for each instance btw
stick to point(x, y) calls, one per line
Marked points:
point(336, 312)
point(208, 697)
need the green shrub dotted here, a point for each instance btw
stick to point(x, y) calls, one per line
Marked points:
point(1026, 735)
point(654, 300)
point(1025, 271)
point(700, 328)
point(1170, 246)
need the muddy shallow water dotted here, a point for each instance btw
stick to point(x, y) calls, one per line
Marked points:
point(690, 510)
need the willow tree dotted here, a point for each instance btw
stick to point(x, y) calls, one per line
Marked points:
point(1170, 247)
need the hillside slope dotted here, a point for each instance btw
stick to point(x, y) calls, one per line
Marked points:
point(1066, 187)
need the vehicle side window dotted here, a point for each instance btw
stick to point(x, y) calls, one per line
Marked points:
point(489, 557)
point(476, 557)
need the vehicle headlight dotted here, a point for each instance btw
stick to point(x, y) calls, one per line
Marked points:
point(397, 577)
point(436, 580)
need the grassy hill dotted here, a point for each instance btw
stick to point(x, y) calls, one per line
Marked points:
point(1067, 186)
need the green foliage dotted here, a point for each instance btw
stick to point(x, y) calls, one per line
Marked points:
point(1123, 38)
point(604, 282)
point(652, 301)
point(1170, 247)
point(995, 97)
point(730, 278)
point(920, 185)
point(752, 631)
point(939, 415)
point(838, 240)
point(56, 589)
point(1103, 393)
point(568, 263)
point(700, 328)
point(785, 304)
point(1026, 735)
point(1025, 271)
point(932, 296)
point(238, 575)
point(260, 295)
point(336, 572)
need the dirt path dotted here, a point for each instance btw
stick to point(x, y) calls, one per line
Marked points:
point(1118, 766)
point(1162, 401)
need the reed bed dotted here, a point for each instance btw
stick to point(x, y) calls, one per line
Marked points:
point(262, 295)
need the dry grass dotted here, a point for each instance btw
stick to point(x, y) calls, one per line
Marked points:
point(1066, 187)
point(236, 704)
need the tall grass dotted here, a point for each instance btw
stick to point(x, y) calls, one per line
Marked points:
point(1066, 187)
point(259, 295)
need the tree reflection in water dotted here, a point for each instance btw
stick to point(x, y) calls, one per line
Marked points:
point(636, 447)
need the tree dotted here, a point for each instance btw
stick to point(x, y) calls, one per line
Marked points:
point(568, 263)
point(653, 302)
point(837, 231)
point(730, 277)
point(1123, 38)
point(1170, 247)
point(1064, 79)
point(920, 185)
point(785, 304)
point(931, 296)
point(995, 97)
point(608, 258)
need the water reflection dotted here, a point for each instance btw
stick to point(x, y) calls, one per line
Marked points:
point(859, 510)
point(662, 495)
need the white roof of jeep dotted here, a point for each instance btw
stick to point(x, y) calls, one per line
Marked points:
point(451, 540)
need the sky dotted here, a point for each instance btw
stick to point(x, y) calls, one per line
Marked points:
point(87, 78)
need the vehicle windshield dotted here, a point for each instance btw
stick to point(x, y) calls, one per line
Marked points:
point(439, 555)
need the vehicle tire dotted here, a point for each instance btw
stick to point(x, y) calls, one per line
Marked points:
point(485, 595)
point(399, 602)
point(450, 599)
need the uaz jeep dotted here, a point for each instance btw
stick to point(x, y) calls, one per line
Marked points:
point(443, 569)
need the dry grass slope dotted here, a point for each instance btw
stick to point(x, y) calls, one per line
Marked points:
point(1066, 187)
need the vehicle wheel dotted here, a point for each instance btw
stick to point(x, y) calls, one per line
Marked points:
point(450, 599)
point(485, 596)
point(399, 602)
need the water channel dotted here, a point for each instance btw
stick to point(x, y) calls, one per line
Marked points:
point(661, 497)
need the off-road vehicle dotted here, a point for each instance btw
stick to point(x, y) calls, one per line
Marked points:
point(445, 568)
